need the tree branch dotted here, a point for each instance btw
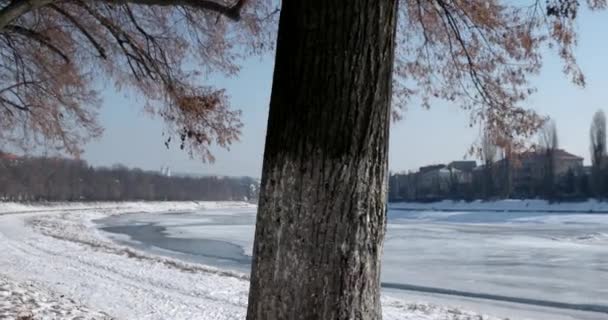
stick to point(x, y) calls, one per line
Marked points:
point(123, 39)
point(17, 8)
point(22, 108)
point(231, 11)
point(451, 24)
point(45, 41)
point(19, 84)
point(74, 21)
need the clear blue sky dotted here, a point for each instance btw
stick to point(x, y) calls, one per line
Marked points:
point(423, 137)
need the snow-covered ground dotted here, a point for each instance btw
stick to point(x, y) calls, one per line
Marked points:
point(27, 301)
point(55, 263)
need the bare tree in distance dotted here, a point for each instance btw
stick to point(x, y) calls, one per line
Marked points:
point(597, 134)
point(489, 151)
point(548, 139)
point(549, 145)
point(506, 168)
point(58, 179)
point(321, 219)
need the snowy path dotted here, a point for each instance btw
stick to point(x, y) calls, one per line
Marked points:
point(63, 254)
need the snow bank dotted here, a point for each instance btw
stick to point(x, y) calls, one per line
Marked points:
point(121, 207)
point(589, 206)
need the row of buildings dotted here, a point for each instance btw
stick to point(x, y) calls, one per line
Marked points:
point(522, 176)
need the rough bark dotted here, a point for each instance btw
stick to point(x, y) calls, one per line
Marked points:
point(322, 209)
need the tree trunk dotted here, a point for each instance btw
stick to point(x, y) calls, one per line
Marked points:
point(322, 209)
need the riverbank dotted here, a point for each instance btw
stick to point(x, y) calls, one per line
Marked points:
point(509, 205)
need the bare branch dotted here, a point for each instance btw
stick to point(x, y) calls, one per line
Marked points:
point(40, 38)
point(233, 12)
point(17, 8)
point(82, 29)
point(19, 84)
point(12, 104)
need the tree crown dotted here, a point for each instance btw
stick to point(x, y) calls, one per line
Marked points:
point(478, 54)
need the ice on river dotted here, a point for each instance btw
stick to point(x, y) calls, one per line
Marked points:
point(555, 256)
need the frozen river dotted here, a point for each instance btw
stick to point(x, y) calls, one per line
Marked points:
point(557, 261)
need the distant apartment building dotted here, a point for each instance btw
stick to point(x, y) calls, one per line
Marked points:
point(435, 178)
point(9, 158)
point(465, 170)
point(521, 176)
point(441, 178)
point(529, 167)
point(431, 181)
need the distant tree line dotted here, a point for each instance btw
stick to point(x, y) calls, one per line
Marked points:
point(546, 172)
point(60, 179)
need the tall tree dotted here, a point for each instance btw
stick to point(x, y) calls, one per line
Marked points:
point(489, 151)
point(549, 145)
point(597, 135)
point(506, 168)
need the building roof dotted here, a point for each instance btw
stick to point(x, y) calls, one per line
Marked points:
point(563, 154)
point(559, 154)
point(431, 168)
point(480, 168)
point(8, 156)
point(463, 165)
